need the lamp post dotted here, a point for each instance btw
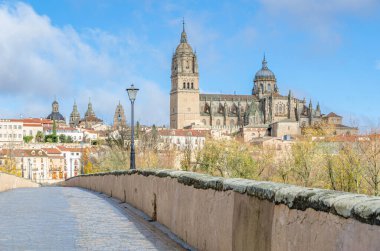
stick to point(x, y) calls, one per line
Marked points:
point(132, 92)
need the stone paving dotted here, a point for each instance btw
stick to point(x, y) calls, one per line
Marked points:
point(64, 218)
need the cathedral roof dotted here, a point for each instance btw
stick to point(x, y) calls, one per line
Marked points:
point(264, 73)
point(183, 47)
point(56, 116)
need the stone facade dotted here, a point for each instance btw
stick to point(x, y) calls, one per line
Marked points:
point(74, 116)
point(119, 121)
point(264, 107)
point(90, 118)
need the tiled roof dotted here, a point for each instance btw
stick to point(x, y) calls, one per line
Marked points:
point(52, 150)
point(34, 121)
point(23, 153)
point(69, 149)
point(332, 114)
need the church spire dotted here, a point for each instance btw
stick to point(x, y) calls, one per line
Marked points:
point(183, 34)
point(264, 63)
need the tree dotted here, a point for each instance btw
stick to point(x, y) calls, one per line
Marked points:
point(27, 139)
point(227, 158)
point(39, 136)
point(307, 162)
point(69, 139)
point(54, 132)
point(137, 129)
point(370, 149)
point(62, 138)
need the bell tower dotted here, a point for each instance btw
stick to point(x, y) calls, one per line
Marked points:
point(184, 94)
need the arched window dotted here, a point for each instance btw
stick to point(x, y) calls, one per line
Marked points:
point(276, 109)
point(184, 85)
point(188, 85)
point(262, 87)
point(218, 122)
point(192, 85)
point(269, 88)
point(232, 123)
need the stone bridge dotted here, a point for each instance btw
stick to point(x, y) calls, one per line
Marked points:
point(205, 212)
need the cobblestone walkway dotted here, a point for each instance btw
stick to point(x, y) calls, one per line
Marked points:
point(58, 218)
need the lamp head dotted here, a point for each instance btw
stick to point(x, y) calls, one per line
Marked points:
point(132, 92)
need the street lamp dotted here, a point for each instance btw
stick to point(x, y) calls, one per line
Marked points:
point(132, 92)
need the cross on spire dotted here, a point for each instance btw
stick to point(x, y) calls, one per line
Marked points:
point(183, 34)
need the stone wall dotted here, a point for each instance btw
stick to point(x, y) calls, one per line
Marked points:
point(212, 213)
point(8, 181)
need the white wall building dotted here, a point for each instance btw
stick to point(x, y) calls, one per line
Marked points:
point(182, 138)
point(11, 132)
point(73, 160)
point(74, 133)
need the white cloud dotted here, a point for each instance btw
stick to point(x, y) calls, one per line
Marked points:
point(318, 17)
point(40, 60)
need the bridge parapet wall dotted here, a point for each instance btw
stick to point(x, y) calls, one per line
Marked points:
point(8, 181)
point(212, 213)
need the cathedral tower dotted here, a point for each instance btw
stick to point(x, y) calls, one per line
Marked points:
point(74, 116)
point(119, 121)
point(184, 94)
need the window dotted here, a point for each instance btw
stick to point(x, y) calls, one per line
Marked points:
point(269, 87)
point(232, 123)
point(19, 127)
point(204, 122)
point(14, 126)
point(192, 85)
point(19, 136)
point(218, 122)
point(1, 135)
point(184, 85)
point(188, 85)
point(1, 126)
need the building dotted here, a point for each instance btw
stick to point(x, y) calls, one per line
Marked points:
point(265, 107)
point(33, 126)
point(73, 160)
point(55, 115)
point(11, 132)
point(90, 118)
point(119, 121)
point(74, 116)
point(33, 163)
point(74, 133)
point(336, 125)
point(56, 163)
point(182, 139)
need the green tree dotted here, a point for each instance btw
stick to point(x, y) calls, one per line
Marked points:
point(62, 138)
point(39, 136)
point(54, 132)
point(69, 139)
point(137, 132)
point(27, 139)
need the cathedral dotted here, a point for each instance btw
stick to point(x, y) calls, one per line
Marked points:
point(265, 111)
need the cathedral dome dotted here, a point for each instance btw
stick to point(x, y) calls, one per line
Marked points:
point(264, 73)
point(56, 116)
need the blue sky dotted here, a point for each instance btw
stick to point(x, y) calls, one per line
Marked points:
point(325, 50)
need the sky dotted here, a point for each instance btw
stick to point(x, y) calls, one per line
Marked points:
point(327, 51)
